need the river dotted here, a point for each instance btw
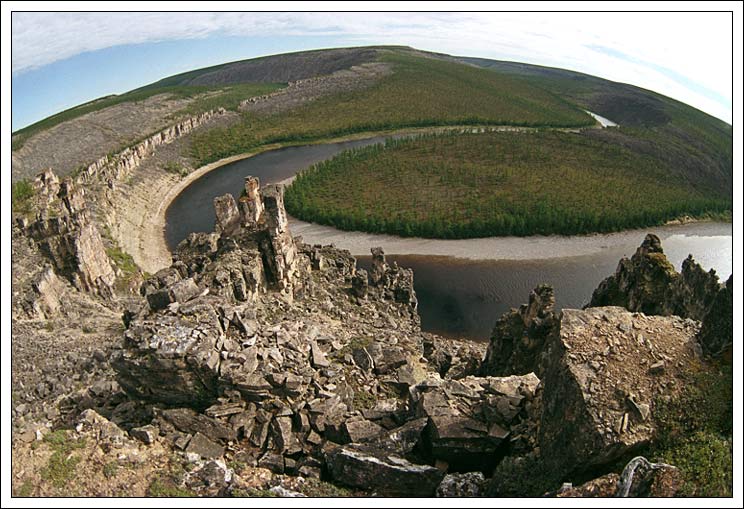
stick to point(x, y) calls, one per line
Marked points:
point(463, 286)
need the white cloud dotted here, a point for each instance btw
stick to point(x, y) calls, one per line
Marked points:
point(696, 46)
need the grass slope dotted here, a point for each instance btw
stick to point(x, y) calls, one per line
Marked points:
point(475, 185)
point(420, 92)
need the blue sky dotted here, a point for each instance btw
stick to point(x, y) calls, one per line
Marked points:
point(60, 60)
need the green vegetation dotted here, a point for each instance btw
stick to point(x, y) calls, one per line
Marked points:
point(26, 489)
point(489, 184)
point(698, 148)
point(62, 463)
point(122, 260)
point(696, 433)
point(205, 98)
point(453, 94)
point(175, 168)
point(166, 487)
point(317, 488)
point(253, 493)
point(126, 264)
point(20, 198)
point(110, 469)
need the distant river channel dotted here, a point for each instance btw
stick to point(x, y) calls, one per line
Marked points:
point(463, 286)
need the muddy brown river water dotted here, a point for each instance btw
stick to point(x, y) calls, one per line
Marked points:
point(463, 286)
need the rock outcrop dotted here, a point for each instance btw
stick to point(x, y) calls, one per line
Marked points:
point(395, 282)
point(264, 335)
point(606, 368)
point(517, 343)
point(111, 169)
point(603, 370)
point(717, 332)
point(66, 235)
point(649, 283)
point(470, 420)
point(44, 298)
point(369, 468)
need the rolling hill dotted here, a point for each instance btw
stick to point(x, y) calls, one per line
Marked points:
point(314, 95)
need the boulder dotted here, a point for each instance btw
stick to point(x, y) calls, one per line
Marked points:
point(370, 468)
point(145, 434)
point(228, 219)
point(599, 387)
point(188, 421)
point(65, 233)
point(360, 284)
point(204, 447)
point(46, 296)
point(361, 430)
point(403, 439)
point(106, 433)
point(468, 484)
point(173, 359)
point(470, 419)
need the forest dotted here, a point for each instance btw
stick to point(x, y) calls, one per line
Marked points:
point(495, 184)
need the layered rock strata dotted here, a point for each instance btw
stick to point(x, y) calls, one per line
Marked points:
point(113, 168)
point(66, 235)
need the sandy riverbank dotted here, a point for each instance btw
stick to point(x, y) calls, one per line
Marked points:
point(538, 247)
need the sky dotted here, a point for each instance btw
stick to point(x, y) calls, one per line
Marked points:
point(62, 59)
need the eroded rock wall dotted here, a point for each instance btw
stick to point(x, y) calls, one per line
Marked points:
point(113, 168)
point(66, 235)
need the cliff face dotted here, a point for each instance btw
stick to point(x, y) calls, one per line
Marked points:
point(111, 169)
point(603, 369)
point(717, 332)
point(64, 232)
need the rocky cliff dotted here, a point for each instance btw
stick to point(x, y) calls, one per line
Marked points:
point(113, 168)
point(65, 233)
point(276, 350)
point(649, 283)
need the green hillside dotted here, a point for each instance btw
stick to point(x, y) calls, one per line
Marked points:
point(686, 150)
point(420, 92)
point(697, 147)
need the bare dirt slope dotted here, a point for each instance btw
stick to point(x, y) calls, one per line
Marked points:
point(80, 141)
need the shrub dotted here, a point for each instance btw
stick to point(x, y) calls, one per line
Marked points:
point(21, 193)
point(695, 432)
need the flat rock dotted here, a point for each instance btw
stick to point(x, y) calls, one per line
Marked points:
point(204, 447)
point(189, 421)
point(388, 474)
